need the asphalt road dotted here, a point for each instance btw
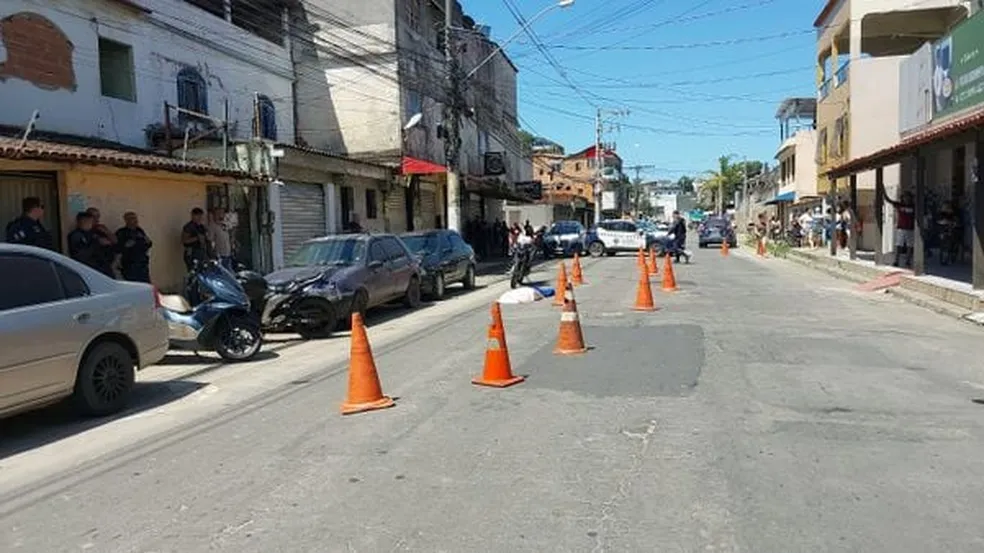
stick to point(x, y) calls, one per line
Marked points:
point(765, 408)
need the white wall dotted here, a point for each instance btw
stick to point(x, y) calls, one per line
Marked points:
point(235, 64)
point(874, 111)
point(806, 167)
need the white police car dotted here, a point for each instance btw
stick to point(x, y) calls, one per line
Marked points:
point(617, 235)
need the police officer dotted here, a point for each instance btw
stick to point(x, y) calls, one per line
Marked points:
point(134, 247)
point(27, 229)
point(194, 238)
point(107, 243)
point(83, 246)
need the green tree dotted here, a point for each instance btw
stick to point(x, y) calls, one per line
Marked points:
point(686, 184)
point(725, 180)
point(526, 142)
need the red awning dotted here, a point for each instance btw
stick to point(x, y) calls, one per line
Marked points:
point(414, 166)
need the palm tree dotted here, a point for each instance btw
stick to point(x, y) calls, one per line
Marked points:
point(725, 178)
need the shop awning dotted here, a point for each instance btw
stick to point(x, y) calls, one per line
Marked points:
point(784, 198)
point(493, 188)
point(414, 166)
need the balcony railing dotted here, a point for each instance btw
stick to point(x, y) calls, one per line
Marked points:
point(842, 73)
point(824, 90)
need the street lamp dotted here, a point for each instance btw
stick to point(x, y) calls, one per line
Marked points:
point(522, 29)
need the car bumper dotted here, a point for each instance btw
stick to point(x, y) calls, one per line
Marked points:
point(718, 240)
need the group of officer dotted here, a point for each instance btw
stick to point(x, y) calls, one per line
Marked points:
point(90, 243)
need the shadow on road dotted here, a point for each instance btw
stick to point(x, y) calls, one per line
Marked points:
point(39, 428)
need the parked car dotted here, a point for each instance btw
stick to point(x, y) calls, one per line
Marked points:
point(564, 238)
point(716, 230)
point(336, 276)
point(69, 331)
point(611, 237)
point(445, 259)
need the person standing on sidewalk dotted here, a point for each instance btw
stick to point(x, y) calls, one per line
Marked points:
point(905, 227)
point(134, 246)
point(219, 236)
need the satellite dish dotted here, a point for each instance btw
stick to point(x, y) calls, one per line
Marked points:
point(413, 122)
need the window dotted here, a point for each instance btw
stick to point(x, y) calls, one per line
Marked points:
point(263, 18)
point(413, 14)
point(116, 70)
point(822, 147)
point(27, 281)
point(267, 117)
point(445, 243)
point(394, 250)
point(377, 252)
point(371, 211)
point(457, 242)
point(577, 166)
point(72, 284)
point(192, 92)
point(415, 103)
point(214, 7)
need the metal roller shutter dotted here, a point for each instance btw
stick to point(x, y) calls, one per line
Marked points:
point(302, 208)
point(428, 209)
point(14, 187)
point(396, 209)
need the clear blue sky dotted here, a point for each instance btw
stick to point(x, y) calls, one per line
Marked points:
point(700, 78)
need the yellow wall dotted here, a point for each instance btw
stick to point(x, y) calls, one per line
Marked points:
point(163, 202)
point(837, 103)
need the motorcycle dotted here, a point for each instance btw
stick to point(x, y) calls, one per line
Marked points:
point(522, 263)
point(217, 317)
point(288, 307)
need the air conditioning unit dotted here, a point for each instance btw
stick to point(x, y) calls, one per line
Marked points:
point(495, 163)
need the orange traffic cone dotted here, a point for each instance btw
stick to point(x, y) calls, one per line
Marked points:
point(669, 279)
point(364, 390)
point(761, 248)
point(577, 276)
point(641, 258)
point(653, 266)
point(725, 248)
point(561, 285)
point(570, 340)
point(644, 294)
point(498, 369)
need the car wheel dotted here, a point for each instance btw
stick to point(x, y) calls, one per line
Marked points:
point(437, 291)
point(412, 297)
point(238, 339)
point(596, 249)
point(104, 380)
point(469, 282)
point(319, 319)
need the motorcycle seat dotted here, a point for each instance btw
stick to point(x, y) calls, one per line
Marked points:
point(176, 303)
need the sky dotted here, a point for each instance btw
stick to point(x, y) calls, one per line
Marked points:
point(699, 78)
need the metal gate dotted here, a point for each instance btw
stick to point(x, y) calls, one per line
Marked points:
point(14, 187)
point(428, 209)
point(396, 209)
point(302, 210)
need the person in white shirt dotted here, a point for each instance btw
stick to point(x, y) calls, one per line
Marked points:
point(221, 239)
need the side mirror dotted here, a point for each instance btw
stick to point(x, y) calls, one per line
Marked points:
point(375, 264)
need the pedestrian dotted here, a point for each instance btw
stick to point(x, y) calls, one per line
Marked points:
point(194, 238)
point(905, 227)
point(220, 237)
point(106, 241)
point(83, 244)
point(134, 247)
point(28, 229)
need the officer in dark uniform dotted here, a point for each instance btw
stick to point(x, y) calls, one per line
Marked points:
point(134, 247)
point(83, 246)
point(107, 243)
point(27, 229)
point(194, 238)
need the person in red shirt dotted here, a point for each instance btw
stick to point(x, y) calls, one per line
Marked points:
point(905, 227)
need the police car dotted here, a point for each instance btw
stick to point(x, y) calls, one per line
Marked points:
point(611, 237)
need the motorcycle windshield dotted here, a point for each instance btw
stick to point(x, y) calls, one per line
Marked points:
point(223, 285)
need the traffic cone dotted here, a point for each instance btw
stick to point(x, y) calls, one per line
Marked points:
point(653, 266)
point(570, 339)
point(364, 390)
point(498, 369)
point(641, 258)
point(644, 293)
point(725, 248)
point(577, 276)
point(561, 285)
point(761, 248)
point(669, 279)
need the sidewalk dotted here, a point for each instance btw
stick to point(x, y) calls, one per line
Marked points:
point(943, 295)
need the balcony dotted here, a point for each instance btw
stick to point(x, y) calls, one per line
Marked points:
point(824, 89)
point(842, 73)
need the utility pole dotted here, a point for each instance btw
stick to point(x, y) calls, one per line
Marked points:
point(452, 121)
point(748, 204)
point(599, 159)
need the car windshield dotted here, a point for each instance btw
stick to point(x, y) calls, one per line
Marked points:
point(421, 242)
point(335, 251)
point(565, 228)
point(716, 223)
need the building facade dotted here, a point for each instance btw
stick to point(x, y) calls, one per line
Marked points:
point(129, 80)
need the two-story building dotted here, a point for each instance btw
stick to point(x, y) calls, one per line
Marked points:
point(795, 158)
point(99, 88)
point(384, 61)
point(860, 44)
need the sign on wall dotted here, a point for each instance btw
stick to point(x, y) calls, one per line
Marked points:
point(958, 68)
